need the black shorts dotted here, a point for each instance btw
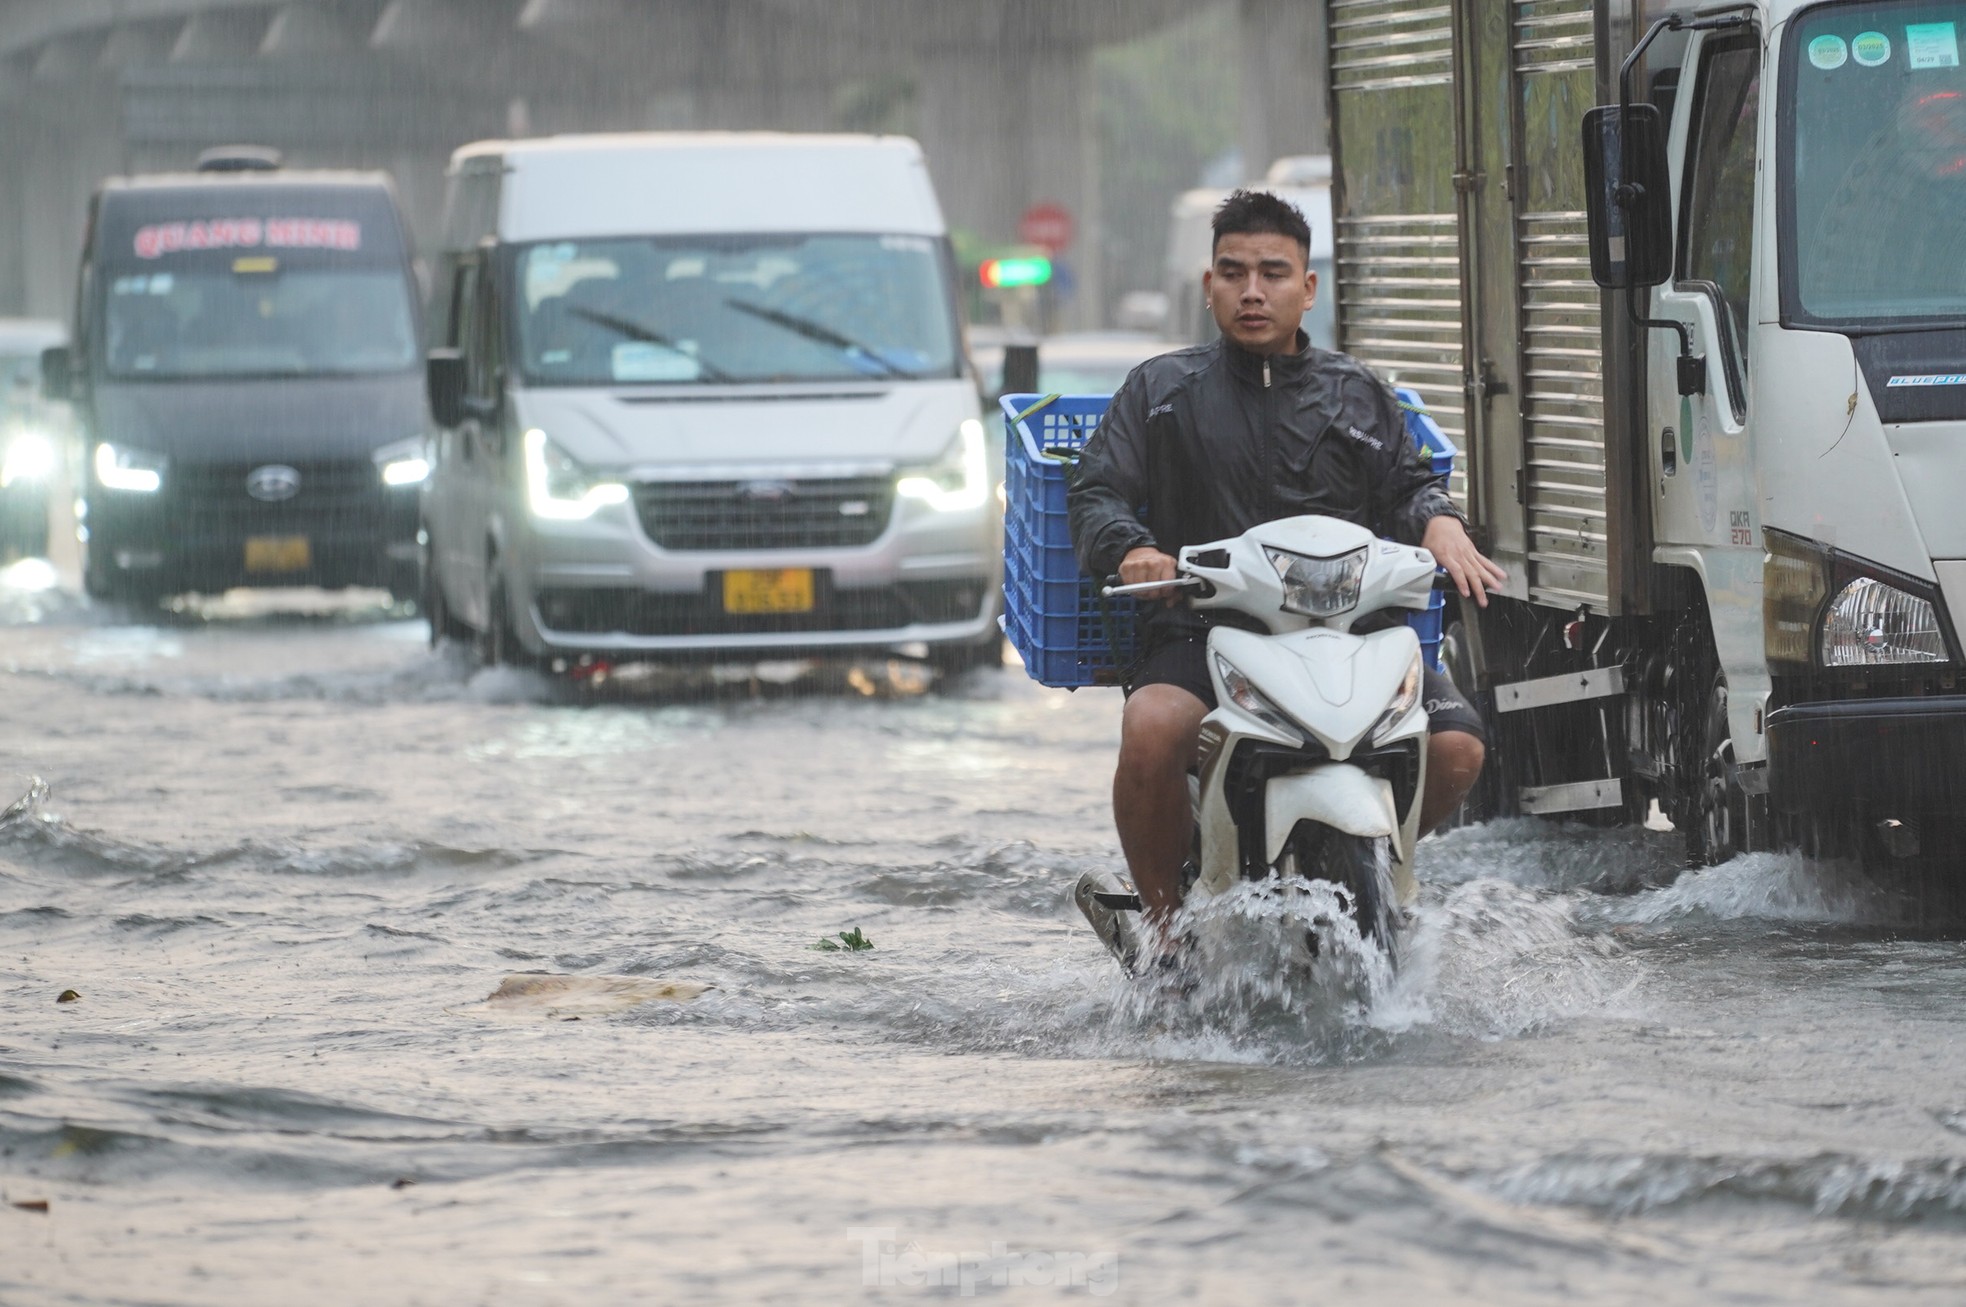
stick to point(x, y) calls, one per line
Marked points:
point(1184, 663)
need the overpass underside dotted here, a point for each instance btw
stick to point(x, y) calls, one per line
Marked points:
point(998, 91)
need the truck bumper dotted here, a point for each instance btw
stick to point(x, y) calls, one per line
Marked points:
point(1893, 756)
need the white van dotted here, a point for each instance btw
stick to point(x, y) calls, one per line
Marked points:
point(704, 394)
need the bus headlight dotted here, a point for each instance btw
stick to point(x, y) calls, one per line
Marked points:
point(559, 489)
point(959, 481)
point(405, 463)
point(30, 456)
point(119, 467)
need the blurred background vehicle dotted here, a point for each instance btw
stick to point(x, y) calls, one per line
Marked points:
point(33, 437)
point(701, 393)
point(1069, 363)
point(245, 372)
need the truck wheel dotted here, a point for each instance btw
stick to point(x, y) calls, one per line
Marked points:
point(1719, 817)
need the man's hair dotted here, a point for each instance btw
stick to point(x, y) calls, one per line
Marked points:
point(1259, 213)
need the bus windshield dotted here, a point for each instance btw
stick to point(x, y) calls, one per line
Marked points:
point(743, 309)
point(1876, 223)
point(255, 320)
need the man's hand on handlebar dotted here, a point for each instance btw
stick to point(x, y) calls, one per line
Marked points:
point(1149, 564)
point(1474, 575)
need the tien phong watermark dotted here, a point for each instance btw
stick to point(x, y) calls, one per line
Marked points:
point(886, 1263)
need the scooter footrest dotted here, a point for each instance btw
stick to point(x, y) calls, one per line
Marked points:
point(1117, 901)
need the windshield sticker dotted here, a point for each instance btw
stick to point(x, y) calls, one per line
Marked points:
point(1929, 379)
point(1827, 52)
point(1871, 49)
point(1931, 45)
point(642, 361)
point(163, 238)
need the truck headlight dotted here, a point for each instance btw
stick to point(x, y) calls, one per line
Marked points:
point(959, 481)
point(1318, 587)
point(30, 456)
point(1824, 608)
point(1242, 692)
point(405, 463)
point(560, 489)
point(119, 467)
point(1409, 694)
point(1870, 623)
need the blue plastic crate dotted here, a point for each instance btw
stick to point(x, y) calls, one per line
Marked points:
point(1428, 436)
point(1066, 635)
point(1052, 612)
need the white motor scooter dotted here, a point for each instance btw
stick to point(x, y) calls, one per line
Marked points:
point(1313, 763)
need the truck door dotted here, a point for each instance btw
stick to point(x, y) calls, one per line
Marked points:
point(1699, 443)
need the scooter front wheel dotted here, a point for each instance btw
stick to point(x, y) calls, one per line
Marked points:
point(1359, 865)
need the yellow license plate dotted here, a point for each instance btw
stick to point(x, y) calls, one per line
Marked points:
point(278, 554)
point(778, 590)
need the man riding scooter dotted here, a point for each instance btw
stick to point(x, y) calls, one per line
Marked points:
point(1205, 443)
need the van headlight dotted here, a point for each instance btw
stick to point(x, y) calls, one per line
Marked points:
point(959, 481)
point(405, 463)
point(1870, 623)
point(30, 456)
point(1318, 587)
point(1242, 692)
point(118, 467)
point(1409, 694)
point(560, 489)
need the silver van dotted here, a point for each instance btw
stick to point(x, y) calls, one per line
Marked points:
point(703, 394)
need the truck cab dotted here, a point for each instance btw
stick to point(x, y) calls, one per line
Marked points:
point(1685, 284)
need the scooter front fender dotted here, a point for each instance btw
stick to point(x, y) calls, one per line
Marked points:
point(1335, 794)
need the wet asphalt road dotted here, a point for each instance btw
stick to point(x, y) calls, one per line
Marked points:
point(287, 854)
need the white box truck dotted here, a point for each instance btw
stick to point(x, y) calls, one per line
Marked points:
point(1706, 359)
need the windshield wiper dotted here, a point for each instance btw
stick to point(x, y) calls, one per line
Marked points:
point(636, 331)
point(824, 335)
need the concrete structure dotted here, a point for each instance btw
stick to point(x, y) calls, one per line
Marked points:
point(998, 91)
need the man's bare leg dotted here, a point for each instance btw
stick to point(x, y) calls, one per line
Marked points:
point(1453, 765)
point(1158, 736)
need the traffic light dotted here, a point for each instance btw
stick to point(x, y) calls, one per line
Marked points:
point(1010, 273)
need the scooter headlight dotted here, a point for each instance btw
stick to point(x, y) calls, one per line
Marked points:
point(1402, 704)
point(1318, 587)
point(1242, 692)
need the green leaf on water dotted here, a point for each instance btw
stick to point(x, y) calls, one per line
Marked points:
point(848, 941)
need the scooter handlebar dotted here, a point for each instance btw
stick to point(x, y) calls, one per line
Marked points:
point(1112, 591)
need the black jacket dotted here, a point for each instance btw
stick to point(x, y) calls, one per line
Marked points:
point(1208, 442)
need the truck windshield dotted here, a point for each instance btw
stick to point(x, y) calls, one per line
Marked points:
point(1875, 214)
point(723, 309)
point(216, 322)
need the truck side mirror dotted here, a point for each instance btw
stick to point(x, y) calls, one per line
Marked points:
point(1629, 196)
point(443, 380)
point(1020, 369)
point(57, 373)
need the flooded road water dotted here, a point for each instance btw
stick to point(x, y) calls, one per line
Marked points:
point(285, 859)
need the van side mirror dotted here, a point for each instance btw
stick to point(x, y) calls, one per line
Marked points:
point(443, 381)
point(1628, 192)
point(57, 373)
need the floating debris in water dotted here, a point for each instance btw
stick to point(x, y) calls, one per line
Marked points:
point(538, 994)
point(68, 996)
point(848, 941)
point(32, 1205)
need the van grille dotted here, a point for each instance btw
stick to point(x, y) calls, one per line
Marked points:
point(213, 493)
point(829, 513)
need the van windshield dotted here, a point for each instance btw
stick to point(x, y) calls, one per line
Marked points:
point(208, 322)
point(1878, 217)
point(725, 309)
